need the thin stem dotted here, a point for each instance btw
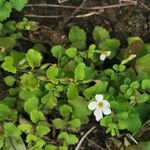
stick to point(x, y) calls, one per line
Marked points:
point(83, 138)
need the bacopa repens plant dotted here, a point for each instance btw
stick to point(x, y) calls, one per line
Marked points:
point(48, 101)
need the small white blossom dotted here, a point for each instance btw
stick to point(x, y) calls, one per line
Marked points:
point(100, 107)
point(104, 54)
point(130, 57)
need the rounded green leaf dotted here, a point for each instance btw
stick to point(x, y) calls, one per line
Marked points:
point(75, 123)
point(42, 130)
point(59, 123)
point(31, 104)
point(57, 50)
point(8, 64)
point(36, 116)
point(34, 58)
point(77, 36)
point(146, 84)
point(79, 72)
point(135, 85)
point(52, 73)
point(100, 34)
point(65, 110)
point(71, 52)
point(9, 80)
point(72, 92)
point(18, 4)
point(29, 81)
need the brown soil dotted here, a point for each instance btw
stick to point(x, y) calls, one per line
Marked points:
point(121, 22)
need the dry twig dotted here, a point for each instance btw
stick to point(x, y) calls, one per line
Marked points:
point(98, 146)
point(73, 14)
point(82, 139)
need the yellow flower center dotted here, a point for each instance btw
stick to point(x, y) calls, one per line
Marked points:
point(100, 104)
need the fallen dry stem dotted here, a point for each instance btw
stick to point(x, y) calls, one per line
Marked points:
point(98, 8)
point(83, 8)
point(83, 138)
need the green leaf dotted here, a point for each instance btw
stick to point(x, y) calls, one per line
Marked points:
point(9, 80)
point(49, 100)
point(57, 51)
point(36, 116)
point(7, 42)
point(50, 147)
point(129, 92)
point(34, 58)
point(31, 104)
point(31, 138)
point(8, 65)
point(1, 2)
point(11, 130)
point(18, 4)
point(1, 142)
point(71, 52)
point(106, 121)
point(100, 34)
point(77, 37)
point(143, 98)
point(97, 88)
point(79, 72)
point(77, 113)
point(69, 68)
point(28, 81)
point(124, 88)
point(52, 73)
point(25, 127)
point(65, 110)
point(42, 130)
point(113, 129)
point(75, 123)
point(133, 122)
point(135, 85)
point(90, 73)
point(146, 84)
point(72, 92)
point(70, 139)
point(145, 145)
point(26, 94)
point(110, 45)
point(9, 101)
point(39, 144)
point(122, 116)
point(59, 123)
point(133, 39)
point(145, 50)
point(6, 113)
point(142, 65)
point(5, 11)
point(63, 148)
point(17, 56)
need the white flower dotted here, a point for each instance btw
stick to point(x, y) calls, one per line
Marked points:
point(104, 54)
point(100, 107)
point(131, 57)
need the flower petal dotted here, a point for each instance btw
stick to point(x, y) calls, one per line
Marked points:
point(98, 114)
point(99, 97)
point(102, 57)
point(92, 105)
point(106, 103)
point(106, 111)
